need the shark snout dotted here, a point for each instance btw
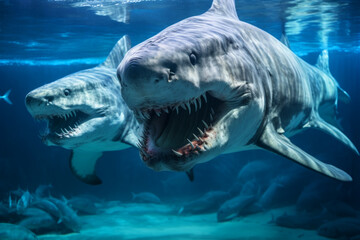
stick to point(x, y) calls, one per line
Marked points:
point(138, 78)
point(137, 74)
point(33, 100)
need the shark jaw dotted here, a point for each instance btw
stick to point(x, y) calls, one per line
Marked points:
point(65, 125)
point(179, 135)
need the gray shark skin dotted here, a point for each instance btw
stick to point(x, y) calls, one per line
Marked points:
point(211, 84)
point(86, 113)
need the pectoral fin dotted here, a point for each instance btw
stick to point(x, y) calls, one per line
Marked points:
point(83, 163)
point(279, 144)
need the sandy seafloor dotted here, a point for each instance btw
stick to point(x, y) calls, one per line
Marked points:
point(155, 221)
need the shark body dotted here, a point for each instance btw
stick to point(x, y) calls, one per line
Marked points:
point(86, 113)
point(212, 84)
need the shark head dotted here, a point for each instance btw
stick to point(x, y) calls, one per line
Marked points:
point(85, 107)
point(182, 85)
point(78, 108)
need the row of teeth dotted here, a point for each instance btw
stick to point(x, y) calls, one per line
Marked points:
point(65, 116)
point(203, 134)
point(197, 147)
point(68, 132)
point(145, 114)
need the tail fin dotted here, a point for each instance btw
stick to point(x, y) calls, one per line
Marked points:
point(6, 97)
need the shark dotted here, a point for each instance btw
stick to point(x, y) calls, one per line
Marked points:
point(212, 84)
point(85, 113)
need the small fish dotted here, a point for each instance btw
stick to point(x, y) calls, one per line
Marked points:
point(24, 201)
point(10, 201)
point(6, 97)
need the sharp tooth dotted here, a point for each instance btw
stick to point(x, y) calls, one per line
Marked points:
point(71, 128)
point(200, 149)
point(207, 126)
point(176, 153)
point(58, 134)
point(212, 111)
point(177, 109)
point(158, 113)
point(199, 101)
point(205, 97)
point(183, 106)
point(62, 130)
point(166, 110)
point(66, 131)
point(192, 145)
point(65, 117)
point(196, 137)
point(75, 113)
point(206, 147)
point(195, 105)
point(201, 132)
point(211, 118)
point(188, 105)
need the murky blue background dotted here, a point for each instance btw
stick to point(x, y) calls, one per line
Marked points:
point(41, 41)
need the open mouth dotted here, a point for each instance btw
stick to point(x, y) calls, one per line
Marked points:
point(64, 125)
point(182, 130)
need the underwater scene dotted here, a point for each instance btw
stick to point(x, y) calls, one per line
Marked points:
point(179, 119)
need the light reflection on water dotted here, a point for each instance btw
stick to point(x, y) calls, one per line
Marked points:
point(86, 29)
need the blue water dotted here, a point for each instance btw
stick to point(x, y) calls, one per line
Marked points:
point(41, 41)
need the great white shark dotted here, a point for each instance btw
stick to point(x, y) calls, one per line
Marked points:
point(85, 112)
point(212, 84)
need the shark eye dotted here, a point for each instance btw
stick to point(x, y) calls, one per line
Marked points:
point(193, 59)
point(67, 92)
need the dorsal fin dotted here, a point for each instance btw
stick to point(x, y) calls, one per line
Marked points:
point(323, 62)
point(117, 53)
point(224, 8)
